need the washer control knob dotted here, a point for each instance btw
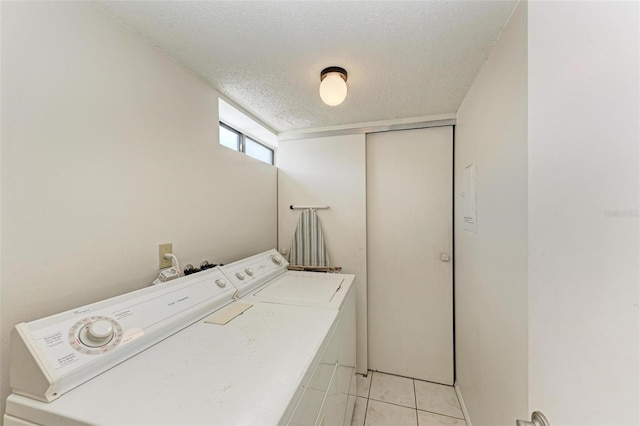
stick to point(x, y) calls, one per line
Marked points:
point(276, 260)
point(240, 275)
point(221, 282)
point(100, 332)
point(249, 271)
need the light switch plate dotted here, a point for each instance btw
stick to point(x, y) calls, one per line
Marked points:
point(469, 199)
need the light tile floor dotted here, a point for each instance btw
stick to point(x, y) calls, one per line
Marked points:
point(387, 400)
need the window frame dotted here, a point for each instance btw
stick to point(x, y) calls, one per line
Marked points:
point(242, 145)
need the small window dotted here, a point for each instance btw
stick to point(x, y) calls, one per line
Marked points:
point(258, 151)
point(238, 141)
point(229, 137)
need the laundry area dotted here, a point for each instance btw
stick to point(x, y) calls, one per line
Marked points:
point(320, 213)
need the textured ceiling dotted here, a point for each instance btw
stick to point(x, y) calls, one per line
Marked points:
point(404, 59)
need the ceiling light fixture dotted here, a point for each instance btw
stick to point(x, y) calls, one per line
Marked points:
point(333, 85)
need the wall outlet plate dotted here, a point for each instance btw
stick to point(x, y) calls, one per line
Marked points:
point(164, 249)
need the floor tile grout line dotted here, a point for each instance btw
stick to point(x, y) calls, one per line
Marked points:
point(444, 415)
point(366, 407)
point(396, 405)
point(413, 378)
point(393, 403)
point(412, 408)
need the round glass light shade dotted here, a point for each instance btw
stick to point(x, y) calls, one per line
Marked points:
point(333, 89)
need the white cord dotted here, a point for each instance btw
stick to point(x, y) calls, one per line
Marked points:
point(171, 256)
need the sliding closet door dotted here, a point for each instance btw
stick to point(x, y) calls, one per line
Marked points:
point(409, 246)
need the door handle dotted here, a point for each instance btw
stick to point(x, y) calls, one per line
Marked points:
point(537, 419)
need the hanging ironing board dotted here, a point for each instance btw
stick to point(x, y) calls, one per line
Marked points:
point(308, 251)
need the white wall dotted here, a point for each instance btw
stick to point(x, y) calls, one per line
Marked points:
point(330, 171)
point(109, 148)
point(584, 109)
point(491, 265)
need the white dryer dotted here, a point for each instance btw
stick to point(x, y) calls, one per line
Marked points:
point(149, 358)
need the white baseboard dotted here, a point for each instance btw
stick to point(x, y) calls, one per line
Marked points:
point(462, 404)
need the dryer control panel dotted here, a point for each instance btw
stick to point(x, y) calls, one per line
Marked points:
point(52, 355)
point(252, 272)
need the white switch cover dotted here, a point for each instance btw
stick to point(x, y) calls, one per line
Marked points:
point(469, 195)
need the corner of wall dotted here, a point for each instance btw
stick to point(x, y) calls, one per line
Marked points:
point(491, 263)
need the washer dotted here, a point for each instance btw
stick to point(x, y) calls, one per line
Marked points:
point(149, 358)
point(264, 278)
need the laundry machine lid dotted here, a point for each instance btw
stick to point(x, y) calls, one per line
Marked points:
point(304, 287)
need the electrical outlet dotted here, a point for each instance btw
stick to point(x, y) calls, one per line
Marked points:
point(164, 249)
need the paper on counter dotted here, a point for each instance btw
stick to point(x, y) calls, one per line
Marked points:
point(227, 313)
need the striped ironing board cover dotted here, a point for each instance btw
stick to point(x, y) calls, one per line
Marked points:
point(307, 247)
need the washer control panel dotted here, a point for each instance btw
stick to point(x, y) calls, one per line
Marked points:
point(252, 272)
point(95, 335)
point(74, 346)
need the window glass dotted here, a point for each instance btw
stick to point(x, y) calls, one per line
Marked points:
point(258, 151)
point(229, 138)
point(238, 141)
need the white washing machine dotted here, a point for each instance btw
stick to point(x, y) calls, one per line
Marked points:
point(263, 278)
point(149, 358)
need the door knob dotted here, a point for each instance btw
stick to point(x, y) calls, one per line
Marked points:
point(445, 257)
point(537, 419)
